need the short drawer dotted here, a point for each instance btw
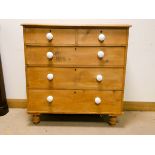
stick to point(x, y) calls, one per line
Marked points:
point(75, 56)
point(75, 78)
point(75, 101)
point(112, 37)
point(39, 36)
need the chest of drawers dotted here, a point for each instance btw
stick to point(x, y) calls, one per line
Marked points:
point(75, 69)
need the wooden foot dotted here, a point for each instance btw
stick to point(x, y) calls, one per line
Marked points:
point(36, 118)
point(112, 120)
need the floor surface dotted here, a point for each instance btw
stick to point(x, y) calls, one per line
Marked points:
point(18, 122)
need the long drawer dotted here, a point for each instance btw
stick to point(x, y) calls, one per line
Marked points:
point(75, 101)
point(75, 78)
point(75, 56)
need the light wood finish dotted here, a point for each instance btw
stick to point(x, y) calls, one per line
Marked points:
point(128, 105)
point(73, 45)
point(70, 26)
point(60, 36)
point(75, 66)
point(113, 36)
point(74, 102)
point(35, 118)
point(113, 120)
point(75, 56)
point(75, 78)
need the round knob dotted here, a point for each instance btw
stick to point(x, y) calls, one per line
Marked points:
point(97, 100)
point(99, 77)
point(49, 98)
point(50, 76)
point(101, 37)
point(49, 36)
point(49, 55)
point(100, 54)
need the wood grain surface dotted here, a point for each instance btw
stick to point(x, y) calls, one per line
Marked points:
point(75, 101)
point(75, 56)
point(75, 78)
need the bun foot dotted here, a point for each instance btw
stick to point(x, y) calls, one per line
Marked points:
point(36, 118)
point(112, 120)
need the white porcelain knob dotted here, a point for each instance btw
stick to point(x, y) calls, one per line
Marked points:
point(100, 54)
point(49, 36)
point(50, 76)
point(49, 99)
point(97, 100)
point(49, 55)
point(101, 37)
point(99, 77)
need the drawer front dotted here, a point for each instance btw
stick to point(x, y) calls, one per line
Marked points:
point(75, 56)
point(75, 101)
point(75, 78)
point(60, 36)
point(112, 36)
